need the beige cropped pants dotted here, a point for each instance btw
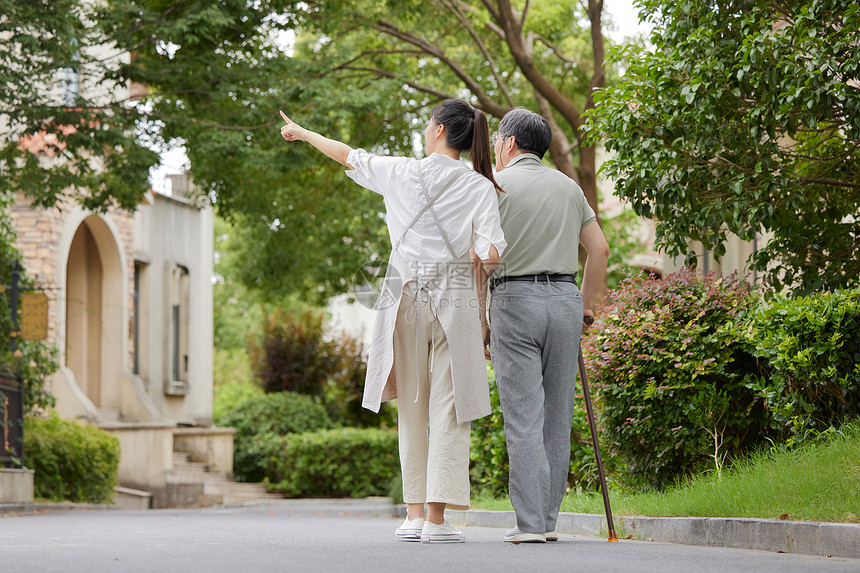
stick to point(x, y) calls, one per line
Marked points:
point(434, 448)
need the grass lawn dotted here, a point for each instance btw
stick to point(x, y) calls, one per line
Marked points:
point(818, 482)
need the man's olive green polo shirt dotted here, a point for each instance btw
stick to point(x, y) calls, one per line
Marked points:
point(542, 213)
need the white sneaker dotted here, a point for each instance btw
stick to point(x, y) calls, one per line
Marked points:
point(410, 530)
point(552, 535)
point(442, 533)
point(517, 536)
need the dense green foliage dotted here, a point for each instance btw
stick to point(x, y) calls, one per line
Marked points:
point(36, 362)
point(689, 372)
point(344, 390)
point(232, 381)
point(71, 462)
point(669, 366)
point(237, 309)
point(276, 414)
point(366, 72)
point(217, 75)
point(812, 348)
point(744, 118)
point(86, 145)
point(489, 452)
point(347, 462)
point(624, 234)
point(214, 74)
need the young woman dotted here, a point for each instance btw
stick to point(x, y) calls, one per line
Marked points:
point(427, 348)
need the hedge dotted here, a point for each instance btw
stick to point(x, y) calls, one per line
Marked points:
point(279, 414)
point(811, 346)
point(71, 462)
point(345, 462)
point(690, 372)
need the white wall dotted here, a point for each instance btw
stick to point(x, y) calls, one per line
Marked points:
point(172, 232)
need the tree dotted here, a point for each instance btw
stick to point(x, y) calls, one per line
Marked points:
point(216, 79)
point(63, 133)
point(58, 142)
point(502, 55)
point(365, 71)
point(745, 118)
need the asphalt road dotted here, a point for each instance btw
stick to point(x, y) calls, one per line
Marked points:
point(325, 538)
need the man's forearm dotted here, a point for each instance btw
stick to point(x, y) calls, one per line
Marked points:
point(593, 276)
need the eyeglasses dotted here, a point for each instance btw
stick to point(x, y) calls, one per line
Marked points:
point(497, 135)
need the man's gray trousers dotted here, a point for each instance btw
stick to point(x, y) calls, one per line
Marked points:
point(536, 329)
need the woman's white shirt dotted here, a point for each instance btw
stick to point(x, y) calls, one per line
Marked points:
point(468, 209)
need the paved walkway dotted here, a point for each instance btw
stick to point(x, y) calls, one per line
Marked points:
point(343, 536)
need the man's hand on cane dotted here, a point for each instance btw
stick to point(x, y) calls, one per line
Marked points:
point(587, 318)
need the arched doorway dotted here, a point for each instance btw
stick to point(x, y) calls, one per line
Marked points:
point(93, 345)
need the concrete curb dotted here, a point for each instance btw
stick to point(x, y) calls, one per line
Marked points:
point(811, 538)
point(368, 506)
point(37, 508)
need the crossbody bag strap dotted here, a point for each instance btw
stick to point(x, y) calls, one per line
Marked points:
point(429, 207)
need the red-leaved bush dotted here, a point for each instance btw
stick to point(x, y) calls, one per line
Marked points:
point(669, 361)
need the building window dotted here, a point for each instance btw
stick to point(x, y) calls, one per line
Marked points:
point(179, 314)
point(140, 320)
point(135, 331)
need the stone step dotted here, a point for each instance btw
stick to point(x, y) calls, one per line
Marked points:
point(190, 470)
point(185, 458)
point(108, 414)
point(189, 476)
point(190, 465)
point(129, 498)
point(229, 499)
point(183, 461)
point(261, 493)
point(234, 488)
point(218, 487)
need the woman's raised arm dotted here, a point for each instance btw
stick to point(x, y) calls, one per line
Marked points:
point(335, 149)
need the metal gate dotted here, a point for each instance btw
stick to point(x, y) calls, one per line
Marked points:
point(11, 421)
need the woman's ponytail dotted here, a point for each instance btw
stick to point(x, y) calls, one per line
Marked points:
point(467, 130)
point(482, 162)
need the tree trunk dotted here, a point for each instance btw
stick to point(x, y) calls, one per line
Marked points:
point(587, 177)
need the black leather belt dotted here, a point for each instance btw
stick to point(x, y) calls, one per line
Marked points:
point(534, 279)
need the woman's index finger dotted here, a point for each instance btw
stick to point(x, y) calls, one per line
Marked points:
point(283, 115)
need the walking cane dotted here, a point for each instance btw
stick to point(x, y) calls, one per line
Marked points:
point(612, 536)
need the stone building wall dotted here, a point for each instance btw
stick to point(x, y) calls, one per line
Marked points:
point(39, 233)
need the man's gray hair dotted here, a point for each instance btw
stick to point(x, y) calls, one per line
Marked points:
point(530, 130)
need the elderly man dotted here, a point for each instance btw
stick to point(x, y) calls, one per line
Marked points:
point(536, 312)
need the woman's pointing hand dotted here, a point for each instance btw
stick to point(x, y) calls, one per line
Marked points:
point(291, 131)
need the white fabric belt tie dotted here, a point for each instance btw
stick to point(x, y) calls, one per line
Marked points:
point(416, 320)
